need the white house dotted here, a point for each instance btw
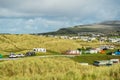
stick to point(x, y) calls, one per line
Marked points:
point(114, 40)
point(64, 37)
point(39, 49)
point(84, 38)
point(92, 51)
point(74, 37)
point(107, 47)
point(87, 38)
point(92, 38)
point(102, 39)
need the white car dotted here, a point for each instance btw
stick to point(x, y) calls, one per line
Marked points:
point(12, 55)
point(20, 55)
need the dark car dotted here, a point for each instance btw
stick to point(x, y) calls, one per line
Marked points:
point(30, 54)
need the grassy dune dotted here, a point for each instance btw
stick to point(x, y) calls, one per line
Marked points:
point(24, 43)
point(55, 69)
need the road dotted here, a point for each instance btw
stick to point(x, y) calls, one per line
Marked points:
point(46, 56)
point(2, 59)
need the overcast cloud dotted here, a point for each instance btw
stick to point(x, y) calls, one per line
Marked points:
point(33, 16)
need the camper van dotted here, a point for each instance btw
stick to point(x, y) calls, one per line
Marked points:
point(103, 63)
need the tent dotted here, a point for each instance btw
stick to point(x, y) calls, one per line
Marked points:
point(117, 53)
point(1, 56)
point(102, 51)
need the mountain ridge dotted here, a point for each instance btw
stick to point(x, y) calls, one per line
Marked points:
point(103, 27)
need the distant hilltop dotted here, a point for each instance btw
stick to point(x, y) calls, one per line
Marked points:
point(103, 27)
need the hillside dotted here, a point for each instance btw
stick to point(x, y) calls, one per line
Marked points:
point(24, 43)
point(104, 27)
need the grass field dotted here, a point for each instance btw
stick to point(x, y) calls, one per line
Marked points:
point(55, 69)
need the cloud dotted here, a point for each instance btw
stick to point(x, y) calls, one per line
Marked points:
point(24, 16)
point(31, 25)
point(69, 8)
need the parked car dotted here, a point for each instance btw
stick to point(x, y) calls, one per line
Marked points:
point(20, 55)
point(13, 55)
point(30, 54)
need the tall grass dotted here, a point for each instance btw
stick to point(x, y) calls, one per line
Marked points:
point(55, 69)
point(24, 43)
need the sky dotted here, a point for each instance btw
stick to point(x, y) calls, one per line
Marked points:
point(39, 16)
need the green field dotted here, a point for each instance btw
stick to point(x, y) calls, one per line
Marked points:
point(91, 58)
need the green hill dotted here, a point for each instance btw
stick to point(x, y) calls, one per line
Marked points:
point(104, 27)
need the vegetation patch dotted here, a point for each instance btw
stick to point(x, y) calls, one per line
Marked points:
point(90, 58)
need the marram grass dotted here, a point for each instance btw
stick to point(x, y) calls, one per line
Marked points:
point(55, 69)
point(23, 43)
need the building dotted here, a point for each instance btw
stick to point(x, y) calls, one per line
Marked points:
point(84, 38)
point(39, 50)
point(106, 47)
point(92, 51)
point(73, 52)
point(117, 52)
point(64, 37)
point(114, 40)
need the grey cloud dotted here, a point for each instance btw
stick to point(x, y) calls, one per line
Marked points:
point(20, 25)
point(70, 8)
point(49, 15)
